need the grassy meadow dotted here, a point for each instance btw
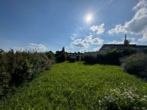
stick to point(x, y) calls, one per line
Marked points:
point(75, 86)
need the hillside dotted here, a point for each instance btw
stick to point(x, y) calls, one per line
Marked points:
point(69, 86)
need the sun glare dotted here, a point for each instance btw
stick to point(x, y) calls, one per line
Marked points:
point(88, 18)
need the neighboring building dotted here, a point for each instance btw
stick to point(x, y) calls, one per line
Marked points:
point(75, 54)
point(106, 47)
point(91, 53)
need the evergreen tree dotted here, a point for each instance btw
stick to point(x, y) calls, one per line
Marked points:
point(63, 50)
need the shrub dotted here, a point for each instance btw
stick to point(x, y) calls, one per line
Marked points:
point(112, 57)
point(72, 59)
point(145, 50)
point(89, 59)
point(135, 64)
point(50, 55)
point(18, 67)
point(128, 51)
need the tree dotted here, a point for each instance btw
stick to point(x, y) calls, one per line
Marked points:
point(63, 50)
point(50, 55)
point(61, 56)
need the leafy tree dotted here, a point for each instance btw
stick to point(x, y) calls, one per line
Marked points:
point(50, 55)
point(61, 56)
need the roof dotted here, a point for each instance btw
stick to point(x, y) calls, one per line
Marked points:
point(121, 45)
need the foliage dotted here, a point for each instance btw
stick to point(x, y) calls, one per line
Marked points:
point(128, 51)
point(63, 49)
point(135, 64)
point(111, 57)
point(61, 56)
point(145, 50)
point(70, 86)
point(90, 59)
point(18, 67)
point(50, 55)
point(72, 59)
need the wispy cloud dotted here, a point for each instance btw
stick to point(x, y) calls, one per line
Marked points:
point(67, 49)
point(99, 29)
point(20, 49)
point(79, 43)
point(73, 36)
point(137, 25)
point(83, 50)
point(97, 41)
point(132, 41)
point(96, 49)
point(115, 42)
point(37, 47)
point(85, 43)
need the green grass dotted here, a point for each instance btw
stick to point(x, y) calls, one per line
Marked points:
point(69, 86)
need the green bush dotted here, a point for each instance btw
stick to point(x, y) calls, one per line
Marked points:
point(135, 64)
point(50, 55)
point(18, 67)
point(61, 57)
point(128, 51)
point(145, 50)
point(112, 57)
point(72, 59)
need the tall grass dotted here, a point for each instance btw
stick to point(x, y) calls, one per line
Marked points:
point(70, 86)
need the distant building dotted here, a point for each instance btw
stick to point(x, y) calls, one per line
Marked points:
point(106, 47)
point(75, 54)
point(91, 53)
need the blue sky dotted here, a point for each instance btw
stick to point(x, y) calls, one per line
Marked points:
point(78, 25)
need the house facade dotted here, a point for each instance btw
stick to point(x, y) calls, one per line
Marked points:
point(91, 53)
point(106, 47)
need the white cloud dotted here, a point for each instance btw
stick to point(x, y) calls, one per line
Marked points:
point(98, 28)
point(118, 28)
point(97, 41)
point(132, 41)
point(83, 50)
point(96, 49)
point(67, 49)
point(88, 38)
point(73, 36)
point(20, 49)
point(79, 43)
point(137, 25)
point(141, 3)
point(116, 42)
point(37, 47)
point(85, 43)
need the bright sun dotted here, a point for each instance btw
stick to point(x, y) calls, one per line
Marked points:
point(88, 18)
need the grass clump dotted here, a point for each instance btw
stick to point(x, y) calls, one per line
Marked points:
point(71, 86)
